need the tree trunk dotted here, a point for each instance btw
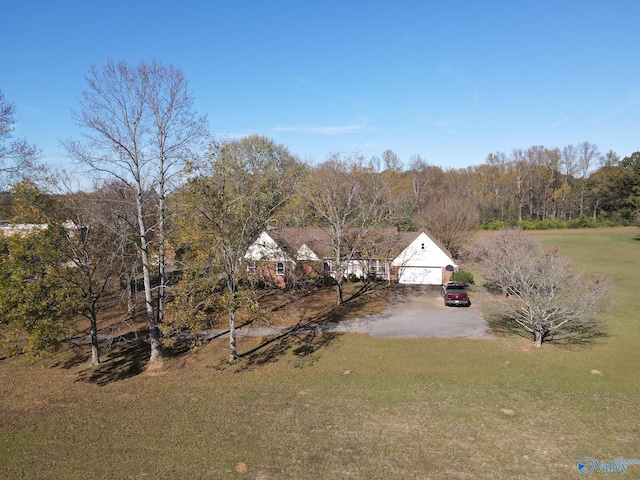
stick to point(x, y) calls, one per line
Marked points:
point(538, 339)
point(233, 355)
point(339, 273)
point(131, 291)
point(95, 354)
point(162, 272)
point(154, 331)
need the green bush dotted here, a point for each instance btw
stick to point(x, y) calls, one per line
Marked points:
point(462, 276)
point(582, 222)
point(326, 281)
point(494, 225)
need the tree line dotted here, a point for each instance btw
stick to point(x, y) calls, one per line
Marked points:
point(168, 198)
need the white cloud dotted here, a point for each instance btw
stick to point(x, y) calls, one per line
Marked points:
point(233, 135)
point(326, 130)
point(625, 105)
point(559, 122)
point(635, 100)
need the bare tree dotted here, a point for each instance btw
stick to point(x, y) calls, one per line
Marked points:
point(139, 128)
point(119, 215)
point(426, 180)
point(452, 219)
point(588, 155)
point(18, 158)
point(92, 248)
point(348, 199)
point(545, 297)
point(391, 161)
point(568, 166)
point(493, 180)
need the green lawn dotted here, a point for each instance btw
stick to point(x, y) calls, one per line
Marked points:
point(349, 406)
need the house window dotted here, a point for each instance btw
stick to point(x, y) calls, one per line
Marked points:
point(378, 267)
point(423, 246)
point(251, 267)
point(279, 268)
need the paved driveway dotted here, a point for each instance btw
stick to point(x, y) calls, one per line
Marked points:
point(414, 312)
point(419, 311)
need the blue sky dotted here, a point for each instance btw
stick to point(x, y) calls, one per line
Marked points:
point(451, 81)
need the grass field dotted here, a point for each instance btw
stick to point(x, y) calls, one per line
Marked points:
point(342, 406)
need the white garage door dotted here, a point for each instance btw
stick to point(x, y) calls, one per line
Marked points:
point(420, 275)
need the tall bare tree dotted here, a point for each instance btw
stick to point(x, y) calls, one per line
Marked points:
point(17, 157)
point(91, 246)
point(587, 156)
point(452, 219)
point(568, 168)
point(348, 198)
point(140, 128)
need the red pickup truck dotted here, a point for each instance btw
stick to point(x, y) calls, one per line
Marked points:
point(454, 293)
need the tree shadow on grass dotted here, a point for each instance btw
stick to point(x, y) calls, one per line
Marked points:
point(303, 341)
point(579, 337)
point(309, 335)
point(129, 357)
point(126, 360)
point(568, 337)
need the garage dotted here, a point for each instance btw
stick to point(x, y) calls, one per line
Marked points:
point(420, 275)
point(422, 262)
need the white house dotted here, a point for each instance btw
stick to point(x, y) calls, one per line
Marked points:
point(404, 257)
point(265, 248)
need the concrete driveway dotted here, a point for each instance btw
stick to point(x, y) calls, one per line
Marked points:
point(414, 312)
point(418, 312)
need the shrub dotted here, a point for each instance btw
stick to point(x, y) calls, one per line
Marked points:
point(353, 278)
point(326, 281)
point(494, 225)
point(462, 276)
point(581, 222)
